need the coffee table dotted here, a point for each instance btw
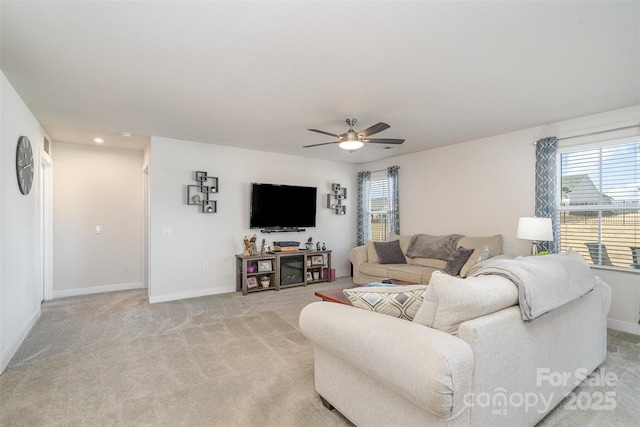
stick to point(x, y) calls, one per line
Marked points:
point(337, 296)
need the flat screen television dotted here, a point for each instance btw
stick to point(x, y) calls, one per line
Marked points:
point(279, 207)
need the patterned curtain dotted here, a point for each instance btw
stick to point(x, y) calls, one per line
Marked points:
point(546, 188)
point(393, 216)
point(364, 226)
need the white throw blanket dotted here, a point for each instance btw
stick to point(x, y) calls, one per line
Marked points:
point(544, 282)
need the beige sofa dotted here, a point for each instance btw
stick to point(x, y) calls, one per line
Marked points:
point(367, 268)
point(478, 363)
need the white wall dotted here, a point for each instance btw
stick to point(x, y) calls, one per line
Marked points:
point(176, 260)
point(482, 187)
point(96, 186)
point(20, 276)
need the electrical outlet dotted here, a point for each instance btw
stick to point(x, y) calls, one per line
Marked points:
point(166, 230)
point(205, 265)
point(98, 229)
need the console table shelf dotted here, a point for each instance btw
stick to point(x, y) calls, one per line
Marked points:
point(287, 270)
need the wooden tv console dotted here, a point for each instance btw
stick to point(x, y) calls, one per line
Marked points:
point(284, 270)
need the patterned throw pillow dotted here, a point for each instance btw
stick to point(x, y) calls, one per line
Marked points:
point(390, 252)
point(402, 302)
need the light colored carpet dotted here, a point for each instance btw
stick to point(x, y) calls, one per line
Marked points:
point(224, 360)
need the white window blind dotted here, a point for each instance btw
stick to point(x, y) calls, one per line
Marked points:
point(379, 205)
point(599, 203)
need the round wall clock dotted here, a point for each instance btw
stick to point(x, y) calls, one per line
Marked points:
point(24, 164)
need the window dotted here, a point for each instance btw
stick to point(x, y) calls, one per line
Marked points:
point(379, 206)
point(599, 202)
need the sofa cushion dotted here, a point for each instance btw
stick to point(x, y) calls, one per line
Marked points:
point(439, 247)
point(399, 301)
point(459, 257)
point(438, 264)
point(389, 252)
point(375, 269)
point(404, 241)
point(410, 273)
point(494, 244)
point(449, 300)
point(372, 254)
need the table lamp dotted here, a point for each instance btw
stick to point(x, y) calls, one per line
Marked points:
point(536, 230)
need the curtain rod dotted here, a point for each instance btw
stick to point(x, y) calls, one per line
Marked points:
point(599, 132)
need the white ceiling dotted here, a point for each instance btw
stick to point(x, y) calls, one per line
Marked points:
point(258, 74)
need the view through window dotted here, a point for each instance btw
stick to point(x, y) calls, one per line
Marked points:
point(599, 206)
point(379, 206)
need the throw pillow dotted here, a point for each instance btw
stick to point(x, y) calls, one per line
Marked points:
point(457, 260)
point(438, 247)
point(493, 243)
point(450, 301)
point(401, 302)
point(389, 252)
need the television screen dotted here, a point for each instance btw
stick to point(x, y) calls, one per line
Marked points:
point(282, 206)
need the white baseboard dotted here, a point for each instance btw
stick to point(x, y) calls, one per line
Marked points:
point(619, 325)
point(97, 289)
point(186, 295)
point(15, 345)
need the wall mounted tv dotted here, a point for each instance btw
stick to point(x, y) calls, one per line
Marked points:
point(282, 207)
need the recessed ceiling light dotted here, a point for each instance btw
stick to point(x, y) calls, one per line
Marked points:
point(98, 140)
point(125, 134)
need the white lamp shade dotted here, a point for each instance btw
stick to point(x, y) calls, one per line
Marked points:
point(535, 229)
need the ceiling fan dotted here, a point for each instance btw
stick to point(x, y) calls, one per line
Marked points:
point(352, 140)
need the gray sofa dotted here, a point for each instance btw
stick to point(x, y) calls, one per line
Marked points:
point(418, 269)
point(476, 364)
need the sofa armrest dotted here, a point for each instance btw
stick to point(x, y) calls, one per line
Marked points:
point(358, 255)
point(512, 355)
point(430, 368)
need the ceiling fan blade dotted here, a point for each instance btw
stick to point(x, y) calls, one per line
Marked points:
point(326, 133)
point(324, 143)
point(373, 129)
point(384, 140)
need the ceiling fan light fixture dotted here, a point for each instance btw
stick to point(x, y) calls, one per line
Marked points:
point(351, 145)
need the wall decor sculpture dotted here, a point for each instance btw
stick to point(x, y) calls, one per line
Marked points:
point(200, 193)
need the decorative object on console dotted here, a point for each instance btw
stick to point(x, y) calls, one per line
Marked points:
point(338, 193)
point(265, 265)
point(265, 281)
point(250, 246)
point(253, 250)
point(536, 230)
point(252, 282)
point(324, 247)
point(286, 246)
point(264, 248)
point(309, 245)
point(318, 246)
point(199, 194)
